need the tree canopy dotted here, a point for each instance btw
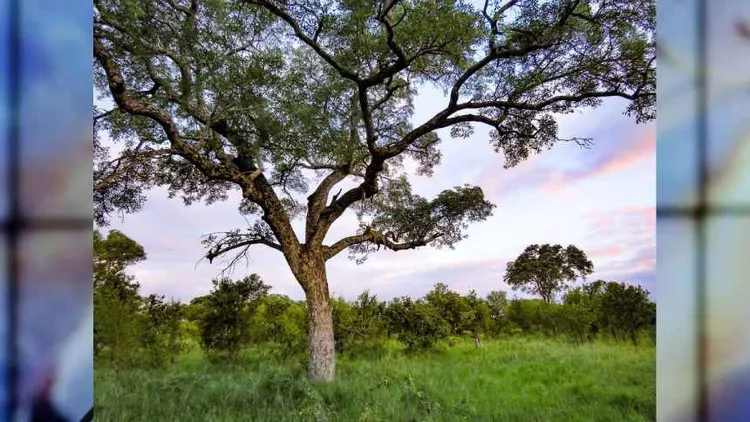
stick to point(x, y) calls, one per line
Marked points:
point(545, 269)
point(268, 96)
point(115, 252)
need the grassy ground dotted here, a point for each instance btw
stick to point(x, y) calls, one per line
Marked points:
point(512, 380)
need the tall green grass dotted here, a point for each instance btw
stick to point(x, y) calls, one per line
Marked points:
point(509, 380)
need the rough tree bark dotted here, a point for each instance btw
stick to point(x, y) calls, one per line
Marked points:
point(321, 365)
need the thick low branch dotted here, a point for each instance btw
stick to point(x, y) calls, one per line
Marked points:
point(378, 238)
point(316, 202)
point(214, 253)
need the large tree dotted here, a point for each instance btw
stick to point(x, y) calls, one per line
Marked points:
point(545, 270)
point(305, 107)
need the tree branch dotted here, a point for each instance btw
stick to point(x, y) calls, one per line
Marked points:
point(378, 238)
point(214, 253)
point(126, 101)
point(552, 100)
point(115, 168)
point(254, 185)
point(317, 201)
point(222, 242)
point(300, 34)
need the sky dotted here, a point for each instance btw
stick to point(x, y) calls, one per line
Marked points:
point(601, 199)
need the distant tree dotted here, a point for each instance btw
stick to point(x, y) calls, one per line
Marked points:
point(544, 269)
point(549, 317)
point(577, 319)
point(519, 318)
point(116, 321)
point(343, 324)
point(225, 324)
point(160, 334)
point(628, 309)
point(587, 311)
point(196, 309)
point(529, 315)
point(477, 318)
point(497, 302)
point(281, 320)
point(220, 99)
point(369, 318)
point(114, 253)
point(450, 307)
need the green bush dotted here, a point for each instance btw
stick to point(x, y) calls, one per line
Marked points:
point(417, 324)
point(226, 321)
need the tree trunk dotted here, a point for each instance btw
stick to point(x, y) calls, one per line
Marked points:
point(477, 340)
point(321, 352)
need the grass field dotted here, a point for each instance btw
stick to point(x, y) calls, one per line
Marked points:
point(511, 380)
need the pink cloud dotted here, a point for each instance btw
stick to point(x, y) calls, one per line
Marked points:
point(607, 251)
point(636, 152)
point(629, 237)
point(645, 147)
point(616, 156)
point(637, 221)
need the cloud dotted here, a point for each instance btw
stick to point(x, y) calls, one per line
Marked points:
point(618, 148)
point(481, 275)
point(606, 251)
point(626, 250)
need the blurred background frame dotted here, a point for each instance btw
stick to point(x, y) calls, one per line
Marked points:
point(703, 210)
point(45, 209)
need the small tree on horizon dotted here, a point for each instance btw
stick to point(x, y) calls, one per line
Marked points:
point(545, 270)
point(306, 109)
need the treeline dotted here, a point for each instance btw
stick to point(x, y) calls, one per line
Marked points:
point(130, 329)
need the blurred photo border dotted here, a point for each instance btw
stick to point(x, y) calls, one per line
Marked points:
point(32, 146)
point(690, 96)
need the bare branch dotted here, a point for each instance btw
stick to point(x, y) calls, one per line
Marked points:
point(220, 251)
point(222, 242)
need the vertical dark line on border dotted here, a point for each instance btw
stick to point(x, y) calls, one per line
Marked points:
point(700, 220)
point(13, 195)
